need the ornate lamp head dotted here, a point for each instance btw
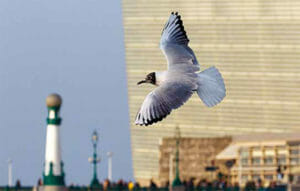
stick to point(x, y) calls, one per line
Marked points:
point(95, 137)
point(177, 132)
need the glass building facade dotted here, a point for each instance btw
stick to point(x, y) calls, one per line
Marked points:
point(255, 45)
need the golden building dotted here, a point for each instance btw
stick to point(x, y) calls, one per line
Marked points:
point(261, 156)
point(239, 158)
point(255, 45)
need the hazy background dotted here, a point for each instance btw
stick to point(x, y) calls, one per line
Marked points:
point(74, 48)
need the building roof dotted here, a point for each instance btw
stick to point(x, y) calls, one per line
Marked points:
point(266, 137)
point(231, 151)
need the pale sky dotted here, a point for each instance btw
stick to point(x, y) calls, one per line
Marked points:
point(74, 48)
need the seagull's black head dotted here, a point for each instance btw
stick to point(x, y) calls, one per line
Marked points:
point(150, 78)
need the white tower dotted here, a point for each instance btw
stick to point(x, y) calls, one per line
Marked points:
point(53, 172)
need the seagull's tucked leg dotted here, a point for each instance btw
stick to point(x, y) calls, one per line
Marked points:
point(211, 87)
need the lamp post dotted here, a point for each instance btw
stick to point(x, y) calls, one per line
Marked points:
point(10, 181)
point(109, 155)
point(240, 168)
point(171, 158)
point(94, 160)
point(176, 181)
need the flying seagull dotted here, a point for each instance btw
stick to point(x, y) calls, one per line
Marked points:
point(183, 77)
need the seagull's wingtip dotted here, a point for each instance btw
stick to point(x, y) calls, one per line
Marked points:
point(175, 13)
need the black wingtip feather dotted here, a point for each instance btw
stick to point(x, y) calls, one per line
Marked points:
point(150, 122)
point(178, 22)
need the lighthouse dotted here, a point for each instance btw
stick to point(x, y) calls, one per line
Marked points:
point(53, 175)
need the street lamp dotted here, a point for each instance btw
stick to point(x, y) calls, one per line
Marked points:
point(94, 160)
point(176, 181)
point(10, 181)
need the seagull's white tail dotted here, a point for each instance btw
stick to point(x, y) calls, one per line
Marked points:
point(211, 87)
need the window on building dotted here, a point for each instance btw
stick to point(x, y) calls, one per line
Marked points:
point(256, 161)
point(244, 178)
point(295, 152)
point(268, 177)
point(294, 161)
point(244, 153)
point(283, 152)
point(256, 148)
point(294, 144)
point(269, 152)
point(244, 161)
point(255, 177)
point(281, 147)
point(257, 152)
point(281, 160)
point(268, 160)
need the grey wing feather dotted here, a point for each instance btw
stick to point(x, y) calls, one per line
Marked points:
point(161, 101)
point(174, 43)
point(174, 31)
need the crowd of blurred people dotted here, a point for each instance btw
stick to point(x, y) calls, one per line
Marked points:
point(192, 185)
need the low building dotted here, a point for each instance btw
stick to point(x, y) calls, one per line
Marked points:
point(267, 157)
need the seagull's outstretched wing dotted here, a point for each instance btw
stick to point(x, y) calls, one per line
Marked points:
point(174, 44)
point(162, 100)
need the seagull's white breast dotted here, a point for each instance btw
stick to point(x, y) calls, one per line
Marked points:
point(160, 77)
